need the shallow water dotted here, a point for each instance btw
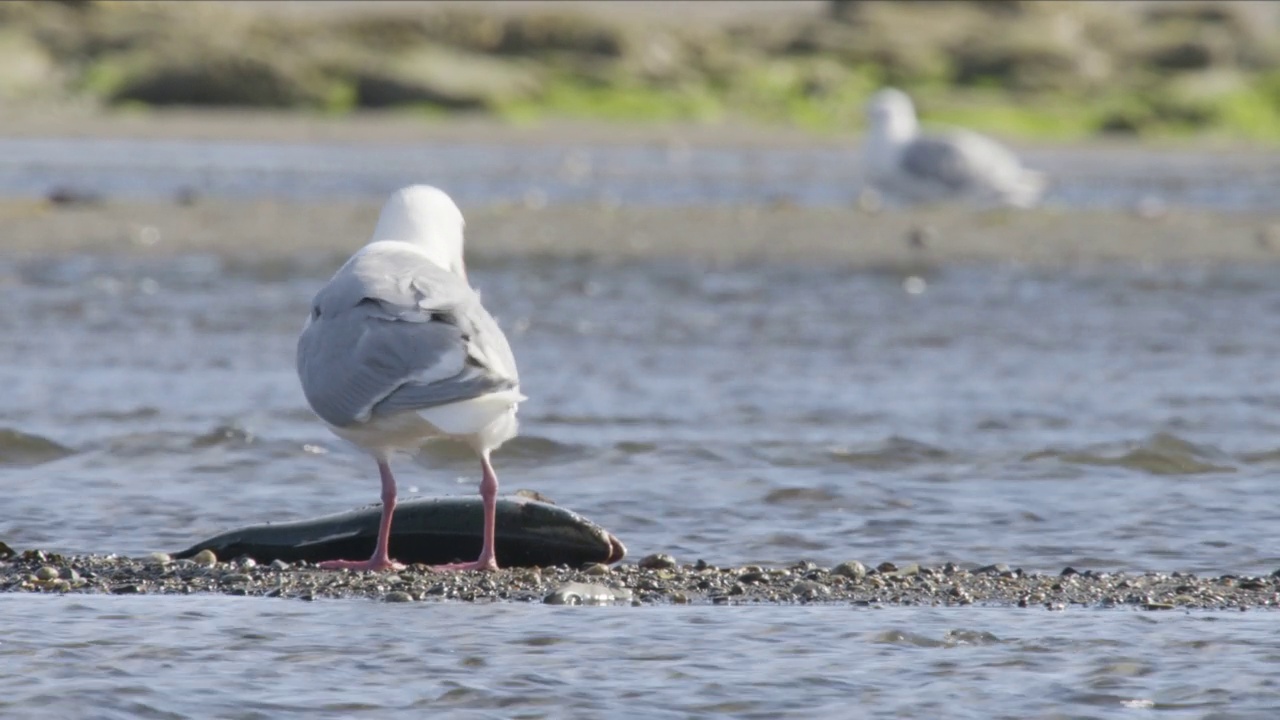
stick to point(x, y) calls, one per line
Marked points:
point(656, 174)
point(174, 657)
point(1109, 418)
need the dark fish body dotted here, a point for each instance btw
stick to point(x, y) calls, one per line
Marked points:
point(432, 531)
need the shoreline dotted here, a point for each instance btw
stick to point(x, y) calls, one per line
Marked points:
point(1025, 69)
point(406, 126)
point(654, 580)
point(316, 233)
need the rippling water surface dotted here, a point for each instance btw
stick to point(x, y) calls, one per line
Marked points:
point(167, 657)
point(1113, 418)
point(656, 174)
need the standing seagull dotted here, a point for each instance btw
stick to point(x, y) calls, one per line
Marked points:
point(959, 164)
point(399, 350)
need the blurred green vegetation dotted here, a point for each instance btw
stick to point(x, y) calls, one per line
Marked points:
point(1050, 70)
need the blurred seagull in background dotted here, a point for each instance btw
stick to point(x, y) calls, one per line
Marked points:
point(903, 164)
point(399, 350)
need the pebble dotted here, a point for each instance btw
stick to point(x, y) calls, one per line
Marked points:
point(205, 557)
point(398, 596)
point(159, 557)
point(809, 590)
point(657, 561)
point(596, 569)
point(849, 583)
point(852, 569)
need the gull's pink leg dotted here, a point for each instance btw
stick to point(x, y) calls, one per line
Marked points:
point(489, 494)
point(380, 559)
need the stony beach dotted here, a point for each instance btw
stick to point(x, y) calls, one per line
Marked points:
point(653, 580)
point(269, 232)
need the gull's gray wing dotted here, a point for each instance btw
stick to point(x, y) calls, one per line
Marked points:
point(393, 332)
point(937, 160)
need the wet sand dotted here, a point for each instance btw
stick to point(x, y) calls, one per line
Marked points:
point(275, 231)
point(653, 580)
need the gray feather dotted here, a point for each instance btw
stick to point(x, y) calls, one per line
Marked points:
point(938, 161)
point(393, 332)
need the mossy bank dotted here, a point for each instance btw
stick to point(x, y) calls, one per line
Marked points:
point(1058, 70)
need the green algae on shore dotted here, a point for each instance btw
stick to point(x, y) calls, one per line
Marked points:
point(1061, 70)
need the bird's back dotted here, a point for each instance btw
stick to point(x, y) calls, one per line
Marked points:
point(393, 332)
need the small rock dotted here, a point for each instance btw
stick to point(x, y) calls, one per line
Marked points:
point(596, 569)
point(129, 589)
point(247, 563)
point(809, 590)
point(398, 596)
point(278, 564)
point(576, 593)
point(68, 573)
point(852, 569)
point(752, 577)
point(60, 585)
point(160, 558)
point(205, 557)
point(886, 567)
point(657, 561)
point(47, 573)
point(236, 578)
point(908, 571)
point(997, 569)
point(680, 598)
point(63, 195)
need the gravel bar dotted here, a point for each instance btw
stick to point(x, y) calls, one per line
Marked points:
point(655, 579)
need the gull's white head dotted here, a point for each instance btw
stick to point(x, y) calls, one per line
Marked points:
point(425, 216)
point(891, 115)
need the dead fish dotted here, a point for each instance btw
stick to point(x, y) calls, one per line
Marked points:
point(432, 530)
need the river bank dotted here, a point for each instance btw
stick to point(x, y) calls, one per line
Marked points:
point(656, 579)
point(315, 237)
point(1046, 70)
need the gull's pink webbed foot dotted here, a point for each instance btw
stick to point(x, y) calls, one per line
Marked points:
point(464, 567)
point(372, 564)
point(381, 560)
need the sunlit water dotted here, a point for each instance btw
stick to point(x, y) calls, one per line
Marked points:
point(174, 657)
point(1118, 418)
point(654, 174)
point(1110, 418)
